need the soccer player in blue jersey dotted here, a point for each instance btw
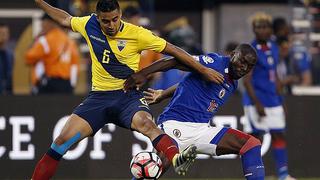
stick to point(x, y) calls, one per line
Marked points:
point(194, 103)
point(261, 99)
point(115, 48)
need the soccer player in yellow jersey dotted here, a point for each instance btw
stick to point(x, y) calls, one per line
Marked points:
point(115, 48)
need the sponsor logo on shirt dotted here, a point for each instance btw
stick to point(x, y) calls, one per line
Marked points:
point(270, 60)
point(97, 39)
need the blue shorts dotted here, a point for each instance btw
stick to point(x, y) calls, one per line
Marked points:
point(117, 107)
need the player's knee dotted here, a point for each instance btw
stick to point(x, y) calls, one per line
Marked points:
point(62, 143)
point(249, 144)
point(146, 125)
point(60, 140)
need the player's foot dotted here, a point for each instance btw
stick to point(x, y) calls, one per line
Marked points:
point(183, 160)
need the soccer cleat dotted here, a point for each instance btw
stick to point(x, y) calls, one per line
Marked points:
point(183, 160)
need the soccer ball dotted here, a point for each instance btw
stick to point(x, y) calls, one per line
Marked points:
point(146, 165)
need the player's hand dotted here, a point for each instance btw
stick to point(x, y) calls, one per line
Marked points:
point(153, 96)
point(136, 80)
point(260, 109)
point(212, 76)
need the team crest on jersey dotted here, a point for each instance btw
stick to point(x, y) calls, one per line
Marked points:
point(176, 133)
point(222, 93)
point(121, 44)
point(213, 106)
point(207, 59)
point(270, 60)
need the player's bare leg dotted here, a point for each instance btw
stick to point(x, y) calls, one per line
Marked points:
point(143, 123)
point(73, 131)
point(249, 147)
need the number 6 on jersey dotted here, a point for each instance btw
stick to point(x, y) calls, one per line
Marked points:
point(106, 56)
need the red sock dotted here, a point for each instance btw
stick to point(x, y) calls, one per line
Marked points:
point(163, 143)
point(45, 168)
point(279, 143)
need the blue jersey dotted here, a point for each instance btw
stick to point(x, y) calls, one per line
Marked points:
point(300, 59)
point(264, 75)
point(196, 100)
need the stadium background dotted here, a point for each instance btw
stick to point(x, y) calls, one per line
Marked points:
point(27, 123)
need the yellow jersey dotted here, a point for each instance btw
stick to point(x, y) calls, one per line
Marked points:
point(114, 58)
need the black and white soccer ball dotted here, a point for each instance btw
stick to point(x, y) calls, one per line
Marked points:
point(146, 165)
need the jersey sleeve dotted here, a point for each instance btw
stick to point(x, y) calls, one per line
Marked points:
point(78, 24)
point(38, 50)
point(302, 62)
point(209, 61)
point(149, 41)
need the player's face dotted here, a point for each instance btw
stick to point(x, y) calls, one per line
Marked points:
point(110, 21)
point(284, 50)
point(241, 65)
point(262, 30)
point(4, 34)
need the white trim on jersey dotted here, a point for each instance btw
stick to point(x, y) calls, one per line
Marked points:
point(73, 75)
point(43, 41)
point(39, 69)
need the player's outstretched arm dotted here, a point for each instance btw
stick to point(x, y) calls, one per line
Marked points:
point(252, 95)
point(184, 58)
point(156, 96)
point(139, 78)
point(59, 15)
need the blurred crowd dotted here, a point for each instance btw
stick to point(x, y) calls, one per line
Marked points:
point(55, 58)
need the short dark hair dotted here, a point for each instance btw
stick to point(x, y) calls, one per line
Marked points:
point(278, 23)
point(231, 46)
point(248, 52)
point(107, 5)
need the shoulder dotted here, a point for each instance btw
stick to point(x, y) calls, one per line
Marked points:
point(253, 43)
point(214, 61)
point(129, 30)
point(219, 59)
point(53, 37)
point(131, 27)
point(80, 22)
point(82, 18)
point(274, 45)
point(55, 34)
point(142, 31)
